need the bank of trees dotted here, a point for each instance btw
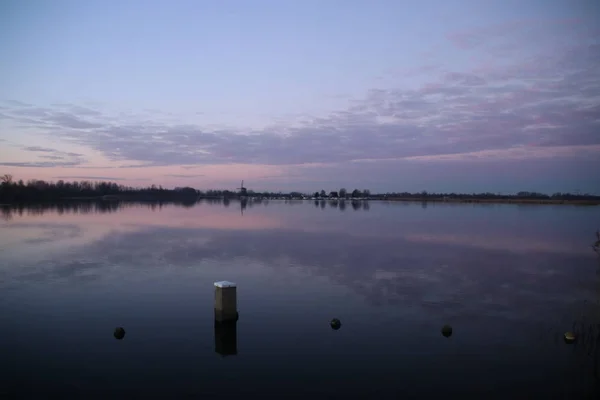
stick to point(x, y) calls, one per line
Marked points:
point(522, 195)
point(13, 191)
point(343, 194)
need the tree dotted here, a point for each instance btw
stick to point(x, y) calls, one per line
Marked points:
point(355, 193)
point(366, 193)
point(316, 194)
point(6, 179)
point(342, 193)
point(323, 194)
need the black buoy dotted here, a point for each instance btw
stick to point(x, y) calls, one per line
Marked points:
point(569, 337)
point(447, 330)
point(119, 333)
point(335, 324)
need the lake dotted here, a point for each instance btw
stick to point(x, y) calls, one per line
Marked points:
point(509, 279)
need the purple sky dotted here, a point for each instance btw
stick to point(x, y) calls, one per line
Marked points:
point(463, 96)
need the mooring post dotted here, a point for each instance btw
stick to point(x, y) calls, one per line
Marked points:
point(225, 301)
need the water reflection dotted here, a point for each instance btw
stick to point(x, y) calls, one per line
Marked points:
point(244, 204)
point(226, 338)
point(112, 206)
point(386, 274)
point(500, 228)
point(385, 266)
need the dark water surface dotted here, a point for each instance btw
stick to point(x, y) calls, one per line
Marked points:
point(510, 279)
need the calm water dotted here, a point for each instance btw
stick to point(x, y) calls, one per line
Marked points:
point(510, 280)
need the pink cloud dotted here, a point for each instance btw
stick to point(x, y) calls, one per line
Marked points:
point(429, 88)
point(468, 39)
point(527, 152)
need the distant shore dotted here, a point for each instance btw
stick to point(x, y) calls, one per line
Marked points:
point(497, 201)
point(35, 191)
point(150, 199)
point(134, 198)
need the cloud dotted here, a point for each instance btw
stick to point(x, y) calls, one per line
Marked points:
point(50, 150)
point(185, 176)
point(485, 35)
point(59, 158)
point(190, 166)
point(464, 79)
point(518, 153)
point(52, 157)
point(103, 178)
point(67, 120)
point(17, 103)
point(39, 149)
point(40, 164)
point(29, 111)
point(77, 109)
point(540, 102)
point(56, 116)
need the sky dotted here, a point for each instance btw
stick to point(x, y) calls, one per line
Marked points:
point(387, 95)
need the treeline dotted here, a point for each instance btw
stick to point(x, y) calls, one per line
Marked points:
point(37, 191)
point(492, 196)
point(41, 191)
point(424, 195)
point(343, 193)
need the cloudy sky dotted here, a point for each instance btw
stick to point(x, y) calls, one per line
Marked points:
point(390, 95)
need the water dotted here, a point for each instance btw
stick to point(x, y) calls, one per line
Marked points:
point(510, 279)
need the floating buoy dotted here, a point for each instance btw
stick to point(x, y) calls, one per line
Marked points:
point(335, 324)
point(569, 337)
point(119, 333)
point(447, 330)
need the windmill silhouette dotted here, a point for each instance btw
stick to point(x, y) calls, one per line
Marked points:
point(243, 190)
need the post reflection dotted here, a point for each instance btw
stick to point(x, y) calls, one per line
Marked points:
point(226, 338)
